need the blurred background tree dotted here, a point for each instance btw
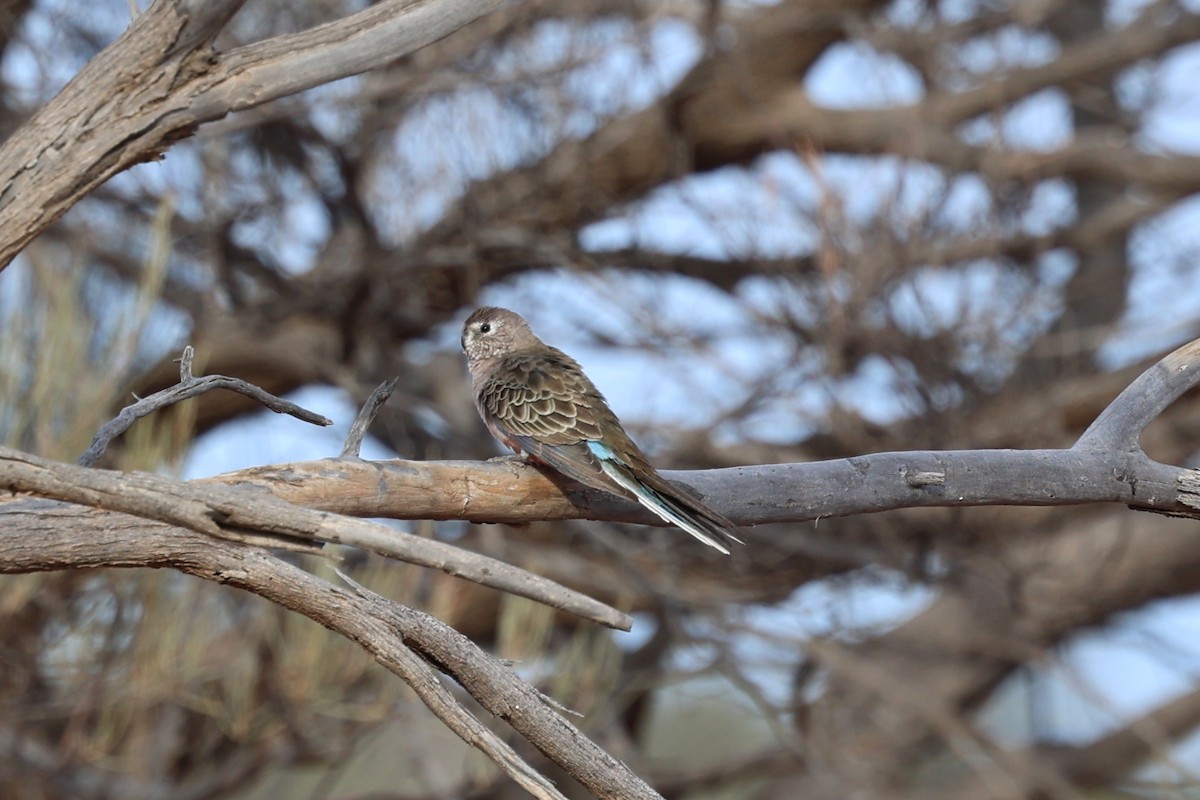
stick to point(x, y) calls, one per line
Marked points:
point(772, 233)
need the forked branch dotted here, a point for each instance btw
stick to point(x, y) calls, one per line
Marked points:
point(189, 386)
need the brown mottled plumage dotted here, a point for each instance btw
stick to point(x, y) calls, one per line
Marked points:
point(536, 400)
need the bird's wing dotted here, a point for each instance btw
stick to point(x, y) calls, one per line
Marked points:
point(543, 404)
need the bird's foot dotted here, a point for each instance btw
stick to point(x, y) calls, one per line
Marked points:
point(514, 462)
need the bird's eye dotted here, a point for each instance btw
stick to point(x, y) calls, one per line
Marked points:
point(485, 327)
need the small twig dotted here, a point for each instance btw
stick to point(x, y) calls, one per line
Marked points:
point(355, 585)
point(188, 387)
point(185, 364)
point(557, 706)
point(366, 416)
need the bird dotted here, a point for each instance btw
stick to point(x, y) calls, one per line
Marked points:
point(536, 400)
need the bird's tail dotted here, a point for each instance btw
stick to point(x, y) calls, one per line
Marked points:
point(669, 503)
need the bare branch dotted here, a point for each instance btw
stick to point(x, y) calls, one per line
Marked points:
point(216, 509)
point(749, 495)
point(697, 126)
point(1120, 752)
point(752, 495)
point(386, 630)
point(1103, 761)
point(1119, 426)
point(160, 80)
point(1103, 467)
point(960, 661)
point(993, 767)
point(251, 75)
point(366, 416)
point(714, 117)
point(421, 677)
point(1145, 37)
point(874, 131)
point(188, 387)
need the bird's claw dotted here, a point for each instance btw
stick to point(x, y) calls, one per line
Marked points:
point(510, 458)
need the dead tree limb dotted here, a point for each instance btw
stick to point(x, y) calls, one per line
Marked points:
point(162, 78)
point(219, 511)
point(39, 536)
point(1106, 465)
point(366, 416)
point(188, 386)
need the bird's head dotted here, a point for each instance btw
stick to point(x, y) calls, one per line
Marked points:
point(490, 332)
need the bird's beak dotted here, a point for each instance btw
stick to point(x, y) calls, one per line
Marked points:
point(462, 341)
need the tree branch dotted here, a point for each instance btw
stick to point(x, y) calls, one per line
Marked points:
point(1119, 426)
point(420, 675)
point(160, 80)
point(751, 495)
point(718, 117)
point(1098, 763)
point(1117, 754)
point(187, 387)
point(73, 538)
point(219, 510)
point(366, 415)
point(1103, 53)
point(1104, 466)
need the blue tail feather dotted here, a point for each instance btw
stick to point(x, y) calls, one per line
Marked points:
point(670, 509)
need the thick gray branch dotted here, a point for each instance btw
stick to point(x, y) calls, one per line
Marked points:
point(381, 33)
point(753, 495)
point(1105, 466)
